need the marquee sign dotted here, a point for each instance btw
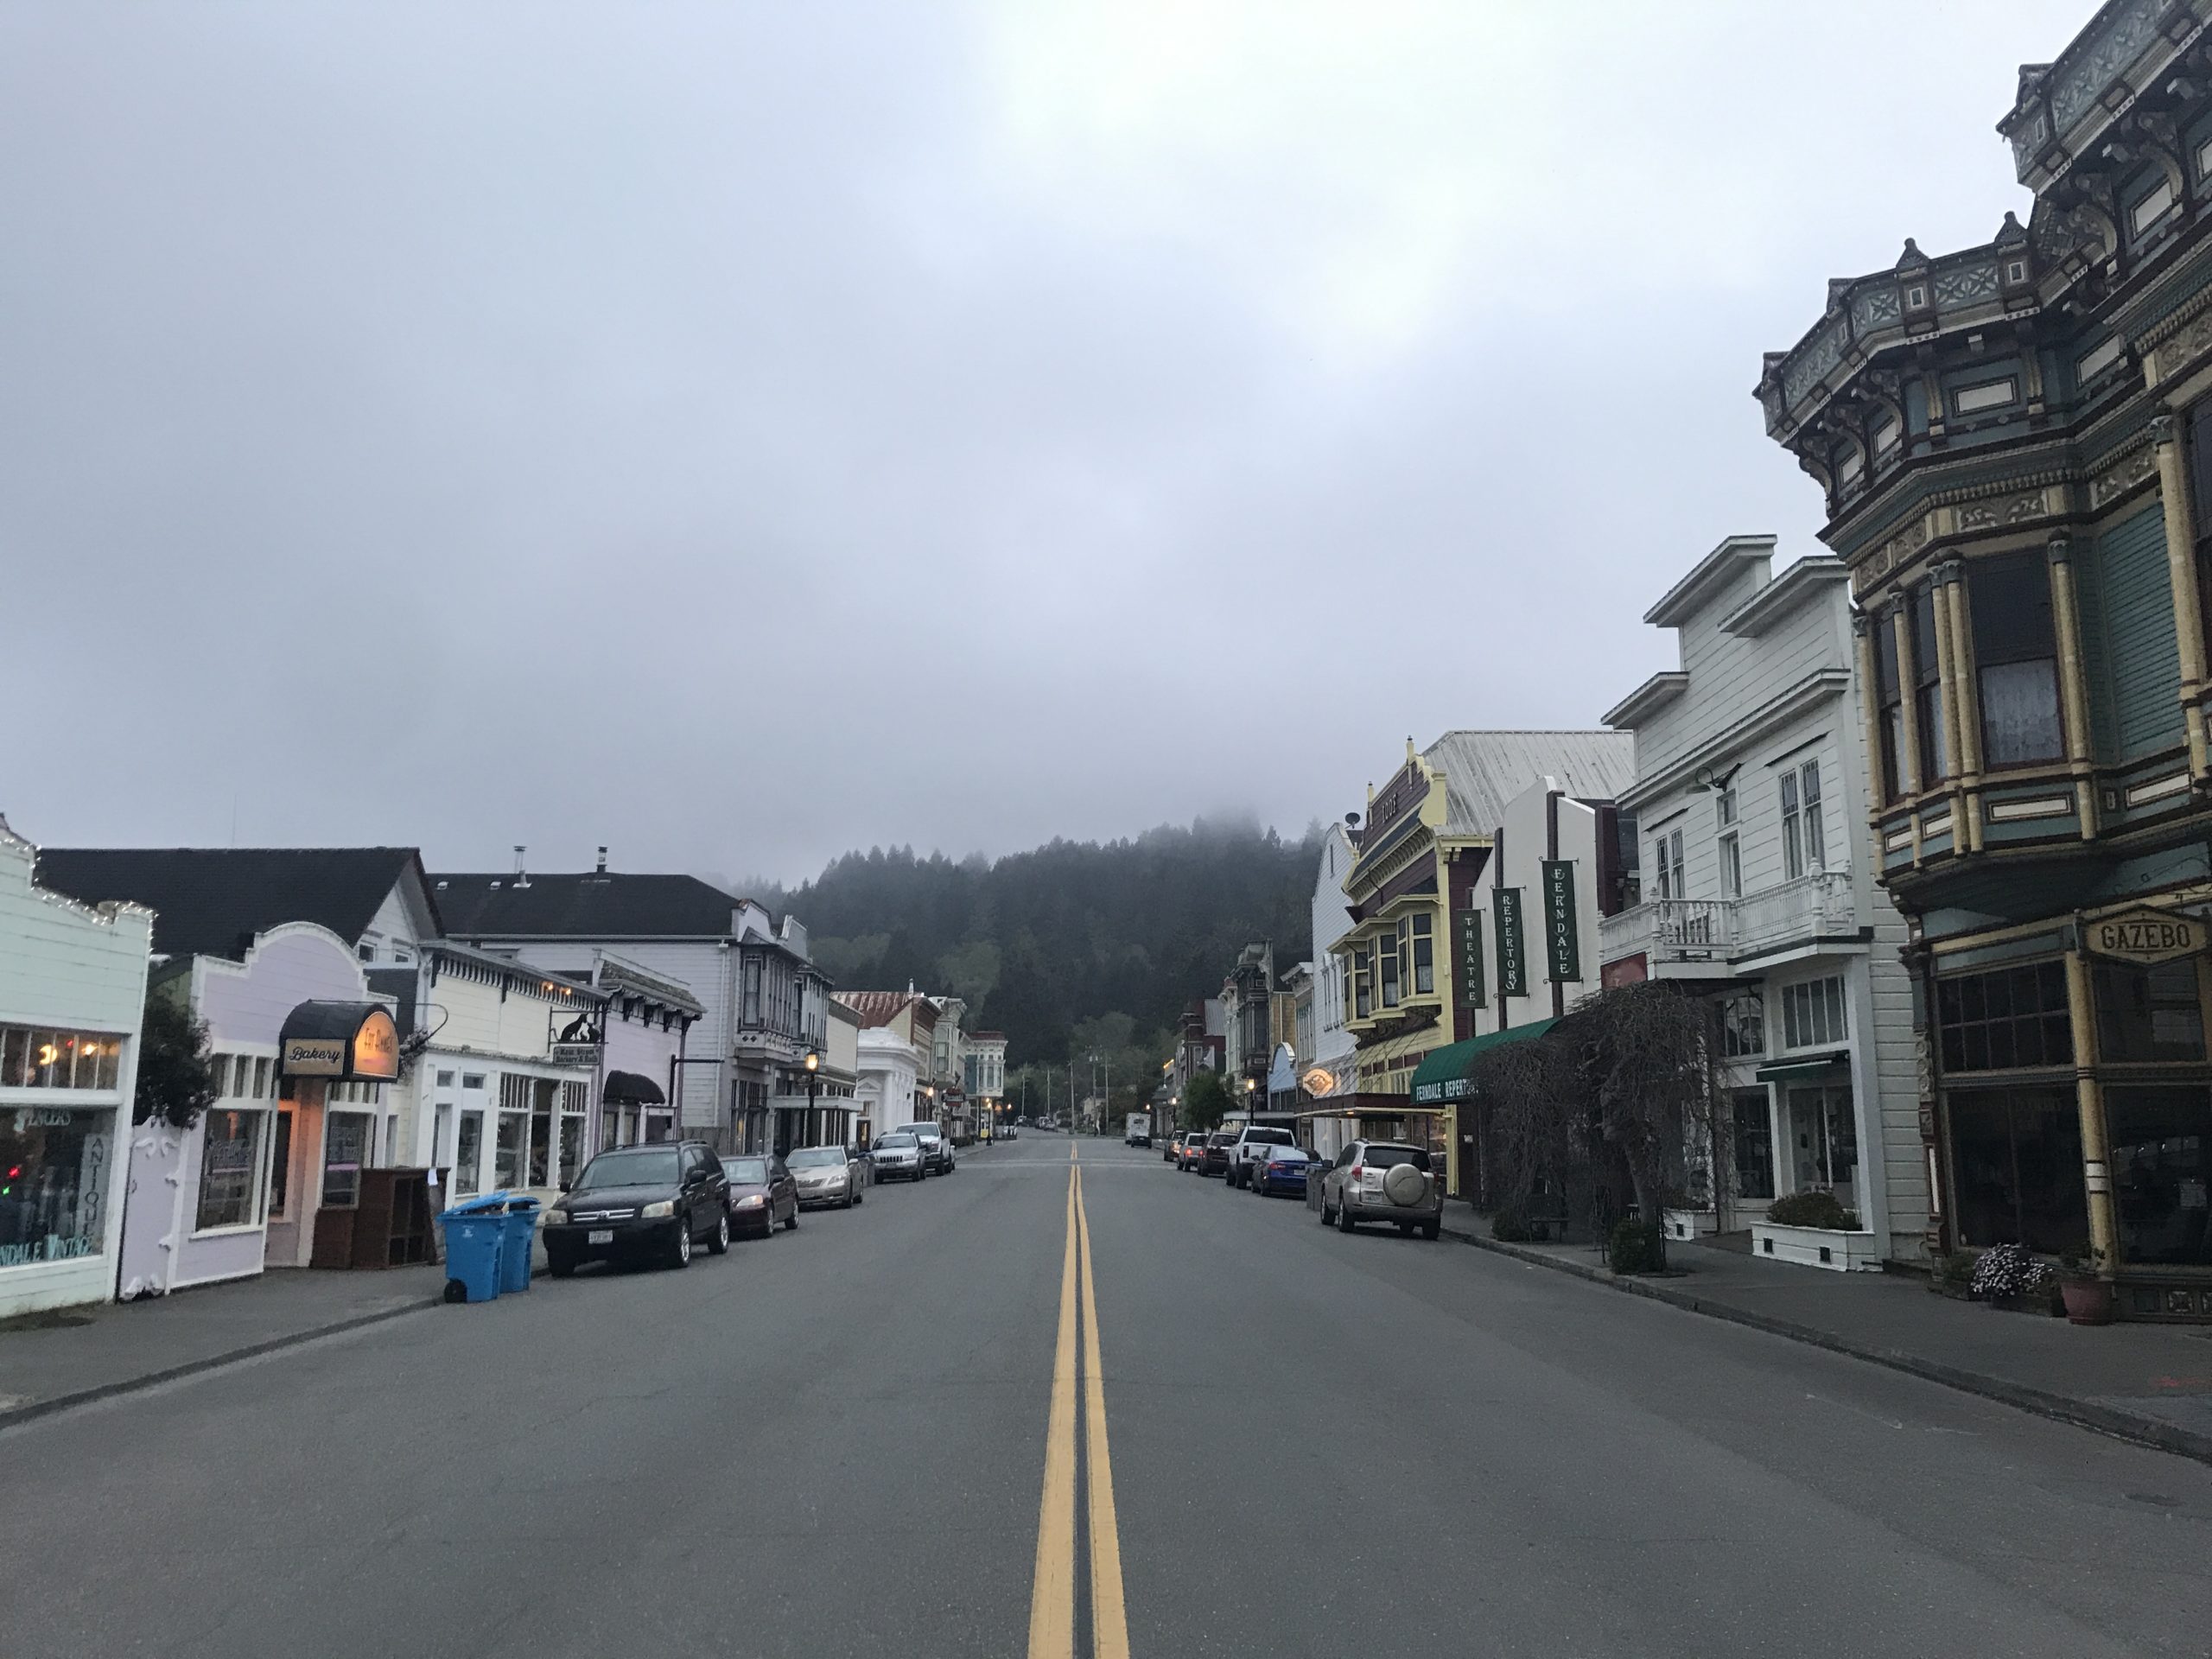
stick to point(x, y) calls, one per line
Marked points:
point(2143, 937)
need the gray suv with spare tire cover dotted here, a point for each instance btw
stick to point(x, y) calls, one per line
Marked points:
point(1383, 1181)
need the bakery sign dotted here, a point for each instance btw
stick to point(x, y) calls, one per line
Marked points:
point(2143, 937)
point(347, 1042)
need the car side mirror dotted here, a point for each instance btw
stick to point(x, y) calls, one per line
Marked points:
point(564, 1187)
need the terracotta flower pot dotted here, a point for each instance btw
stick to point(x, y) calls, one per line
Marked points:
point(2088, 1301)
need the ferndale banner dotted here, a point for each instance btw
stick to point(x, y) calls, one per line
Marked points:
point(1471, 975)
point(1512, 951)
point(1563, 946)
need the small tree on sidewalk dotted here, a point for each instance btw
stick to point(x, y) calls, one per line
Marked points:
point(1205, 1098)
point(176, 1082)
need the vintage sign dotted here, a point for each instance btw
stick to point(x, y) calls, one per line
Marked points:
point(2143, 937)
point(1472, 973)
point(584, 1054)
point(1512, 948)
point(349, 1042)
point(1562, 943)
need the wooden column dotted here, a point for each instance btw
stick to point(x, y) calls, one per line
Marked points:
point(1947, 693)
point(2181, 576)
point(1895, 617)
point(1870, 708)
point(2089, 1102)
point(2073, 682)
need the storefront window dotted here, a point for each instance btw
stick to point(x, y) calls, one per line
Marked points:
point(2009, 1018)
point(230, 1165)
point(1754, 1144)
point(34, 1059)
point(53, 1167)
point(468, 1154)
point(345, 1152)
point(280, 1167)
point(573, 1097)
point(506, 1152)
point(2015, 1164)
point(2149, 1013)
point(2160, 1172)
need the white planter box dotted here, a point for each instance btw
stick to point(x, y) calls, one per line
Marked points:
point(1681, 1225)
point(1816, 1247)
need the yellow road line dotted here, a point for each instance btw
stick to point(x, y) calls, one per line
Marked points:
point(1110, 1623)
point(1051, 1595)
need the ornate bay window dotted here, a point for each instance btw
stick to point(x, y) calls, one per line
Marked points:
point(2016, 651)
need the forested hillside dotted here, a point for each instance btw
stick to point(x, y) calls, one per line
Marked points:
point(1068, 936)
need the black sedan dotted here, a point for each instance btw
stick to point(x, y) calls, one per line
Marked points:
point(640, 1204)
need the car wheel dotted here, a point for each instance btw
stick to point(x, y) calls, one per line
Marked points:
point(791, 1222)
point(847, 1204)
point(559, 1264)
point(1344, 1223)
point(720, 1243)
point(1431, 1230)
point(680, 1254)
point(1405, 1230)
point(1326, 1217)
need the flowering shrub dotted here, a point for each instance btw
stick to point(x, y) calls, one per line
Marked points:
point(1814, 1209)
point(2009, 1270)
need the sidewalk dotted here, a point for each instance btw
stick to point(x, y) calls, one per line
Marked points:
point(47, 1362)
point(2151, 1383)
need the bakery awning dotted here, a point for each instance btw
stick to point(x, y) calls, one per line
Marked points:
point(345, 1042)
point(1441, 1077)
point(631, 1089)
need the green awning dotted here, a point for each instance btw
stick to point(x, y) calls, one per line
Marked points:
point(1804, 1068)
point(1442, 1075)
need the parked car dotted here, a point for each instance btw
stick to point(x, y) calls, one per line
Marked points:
point(1383, 1181)
point(1194, 1150)
point(826, 1176)
point(1172, 1147)
point(639, 1204)
point(1213, 1158)
point(761, 1193)
point(1280, 1172)
point(1251, 1143)
point(936, 1151)
point(898, 1157)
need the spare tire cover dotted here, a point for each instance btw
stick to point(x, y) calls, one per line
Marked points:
point(1405, 1185)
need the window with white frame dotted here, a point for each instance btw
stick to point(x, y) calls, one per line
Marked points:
point(1666, 866)
point(230, 1169)
point(1812, 1013)
point(1731, 856)
point(1743, 1025)
point(1424, 955)
point(1804, 840)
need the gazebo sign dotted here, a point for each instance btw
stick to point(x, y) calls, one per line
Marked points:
point(2143, 937)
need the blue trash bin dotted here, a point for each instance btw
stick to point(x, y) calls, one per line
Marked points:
point(521, 1231)
point(474, 1233)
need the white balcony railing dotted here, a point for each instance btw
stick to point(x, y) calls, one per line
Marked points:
point(1707, 931)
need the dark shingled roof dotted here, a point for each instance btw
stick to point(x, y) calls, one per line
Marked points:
point(606, 904)
point(211, 901)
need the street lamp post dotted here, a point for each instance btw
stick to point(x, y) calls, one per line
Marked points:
point(813, 1083)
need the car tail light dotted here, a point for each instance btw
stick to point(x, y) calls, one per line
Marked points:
point(1359, 1171)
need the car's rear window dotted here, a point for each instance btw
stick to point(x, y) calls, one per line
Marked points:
point(1271, 1137)
point(1388, 1157)
point(1220, 1140)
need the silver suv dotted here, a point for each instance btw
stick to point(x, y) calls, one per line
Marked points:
point(1253, 1141)
point(1381, 1180)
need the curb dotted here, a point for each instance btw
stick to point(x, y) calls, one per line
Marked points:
point(13, 1416)
point(2058, 1407)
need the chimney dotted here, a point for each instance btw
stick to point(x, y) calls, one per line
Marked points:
point(521, 880)
point(602, 861)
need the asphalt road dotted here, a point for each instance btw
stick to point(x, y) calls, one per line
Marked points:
point(845, 1440)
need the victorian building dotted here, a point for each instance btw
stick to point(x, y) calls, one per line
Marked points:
point(1755, 888)
point(1418, 871)
point(2015, 441)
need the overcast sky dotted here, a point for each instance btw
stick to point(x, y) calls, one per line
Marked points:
point(739, 433)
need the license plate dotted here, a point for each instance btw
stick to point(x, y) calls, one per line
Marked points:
point(601, 1235)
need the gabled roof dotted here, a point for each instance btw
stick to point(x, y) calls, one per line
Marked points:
point(1485, 770)
point(878, 1008)
point(595, 905)
point(212, 901)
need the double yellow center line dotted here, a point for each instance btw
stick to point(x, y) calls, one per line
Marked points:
point(1052, 1596)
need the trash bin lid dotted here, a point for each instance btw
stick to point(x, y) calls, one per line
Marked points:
point(522, 1206)
point(491, 1203)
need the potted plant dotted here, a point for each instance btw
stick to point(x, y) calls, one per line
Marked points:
point(2083, 1286)
point(1815, 1229)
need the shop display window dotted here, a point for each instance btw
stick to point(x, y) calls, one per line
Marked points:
point(468, 1154)
point(2160, 1173)
point(2016, 1167)
point(2148, 1014)
point(53, 1179)
point(31, 1058)
point(345, 1153)
point(2009, 1018)
point(230, 1170)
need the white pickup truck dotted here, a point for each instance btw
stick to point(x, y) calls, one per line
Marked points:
point(1137, 1129)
